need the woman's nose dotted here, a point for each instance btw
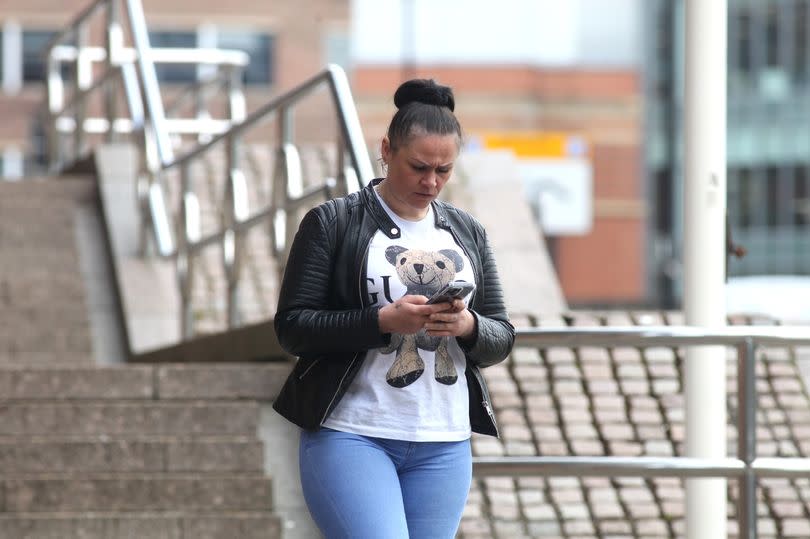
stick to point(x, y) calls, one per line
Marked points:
point(431, 178)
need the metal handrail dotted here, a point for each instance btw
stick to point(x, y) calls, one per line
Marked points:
point(134, 66)
point(115, 55)
point(279, 216)
point(746, 468)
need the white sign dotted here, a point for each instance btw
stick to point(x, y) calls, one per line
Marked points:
point(561, 194)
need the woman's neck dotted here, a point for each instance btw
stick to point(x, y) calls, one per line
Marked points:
point(402, 209)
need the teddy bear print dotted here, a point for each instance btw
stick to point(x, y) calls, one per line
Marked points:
point(422, 272)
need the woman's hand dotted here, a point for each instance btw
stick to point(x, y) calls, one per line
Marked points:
point(456, 321)
point(409, 314)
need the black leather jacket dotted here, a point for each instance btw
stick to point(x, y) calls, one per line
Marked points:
point(325, 319)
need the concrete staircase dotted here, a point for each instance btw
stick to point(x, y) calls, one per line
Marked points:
point(112, 451)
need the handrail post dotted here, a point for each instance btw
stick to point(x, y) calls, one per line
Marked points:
point(236, 211)
point(113, 44)
point(237, 107)
point(56, 100)
point(84, 78)
point(187, 232)
point(350, 125)
point(747, 438)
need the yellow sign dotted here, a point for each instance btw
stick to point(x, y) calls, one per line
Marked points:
point(535, 144)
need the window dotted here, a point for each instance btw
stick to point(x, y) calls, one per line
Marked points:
point(257, 45)
point(33, 51)
point(183, 73)
point(800, 36)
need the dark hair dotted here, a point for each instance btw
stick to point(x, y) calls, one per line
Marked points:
point(422, 105)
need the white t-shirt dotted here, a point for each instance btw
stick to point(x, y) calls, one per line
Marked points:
point(390, 397)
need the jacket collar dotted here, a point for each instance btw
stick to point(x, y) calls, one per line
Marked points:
point(387, 226)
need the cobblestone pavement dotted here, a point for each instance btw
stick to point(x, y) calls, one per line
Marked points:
point(625, 402)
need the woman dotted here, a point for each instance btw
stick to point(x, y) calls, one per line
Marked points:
point(387, 387)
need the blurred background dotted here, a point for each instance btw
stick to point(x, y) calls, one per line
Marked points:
point(586, 94)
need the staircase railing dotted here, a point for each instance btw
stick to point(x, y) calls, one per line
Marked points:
point(129, 75)
point(746, 468)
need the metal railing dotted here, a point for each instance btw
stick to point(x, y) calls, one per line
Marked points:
point(289, 195)
point(176, 235)
point(133, 67)
point(745, 468)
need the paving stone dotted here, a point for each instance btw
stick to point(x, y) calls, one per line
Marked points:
point(579, 527)
point(606, 510)
point(572, 511)
point(539, 512)
point(508, 528)
point(531, 497)
point(616, 528)
point(596, 371)
point(553, 449)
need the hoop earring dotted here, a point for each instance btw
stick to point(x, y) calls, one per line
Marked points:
point(383, 167)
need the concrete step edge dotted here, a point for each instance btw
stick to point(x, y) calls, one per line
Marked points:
point(170, 513)
point(6, 439)
point(86, 477)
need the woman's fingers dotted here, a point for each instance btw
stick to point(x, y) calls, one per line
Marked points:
point(450, 324)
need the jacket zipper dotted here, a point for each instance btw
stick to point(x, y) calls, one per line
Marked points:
point(477, 373)
point(340, 385)
point(478, 276)
point(301, 376)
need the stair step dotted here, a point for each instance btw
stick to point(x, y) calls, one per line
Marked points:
point(141, 492)
point(142, 525)
point(41, 359)
point(237, 454)
point(21, 259)
point(53, 383)
point(48, 186)
point(128, 418)
point(261, 381)
point(50, 233)
point(18, 334)
point(189, 381)
point(28, 282)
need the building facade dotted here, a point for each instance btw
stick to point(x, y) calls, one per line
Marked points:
point(287, 42)
point(530, 68)
point(768, 174)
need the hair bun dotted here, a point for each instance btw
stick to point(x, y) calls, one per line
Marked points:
point(425, 91)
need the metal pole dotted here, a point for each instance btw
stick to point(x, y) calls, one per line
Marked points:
point(113, 44)
point(747, 438)
point(704, 256)
point(84, 79)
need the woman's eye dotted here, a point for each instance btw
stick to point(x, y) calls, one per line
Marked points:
point(443, 170)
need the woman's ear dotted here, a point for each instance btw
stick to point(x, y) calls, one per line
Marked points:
point(385, 150)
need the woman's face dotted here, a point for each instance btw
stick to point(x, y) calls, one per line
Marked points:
point(417, 172)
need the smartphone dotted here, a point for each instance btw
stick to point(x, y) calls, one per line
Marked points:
point(452, 290)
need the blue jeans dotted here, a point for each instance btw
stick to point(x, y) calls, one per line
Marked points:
point(360, 487)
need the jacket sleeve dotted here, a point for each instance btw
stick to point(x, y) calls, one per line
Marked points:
point(305, 324)
point(494, 335)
